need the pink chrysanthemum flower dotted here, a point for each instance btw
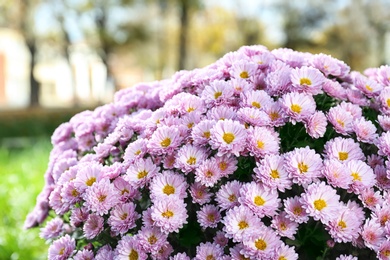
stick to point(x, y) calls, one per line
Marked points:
point(362, 175)
point(208, 251)
point(168, 184)
point(336, 174)
point(93, 226)
point(62, 248)
point(52, 229)
point(261, 243)
point(126, 191)
point(382, 214)
point(384, 251)
point(369, 87)
point(384, 99)
point(295, 210)
point(250, 116)
point(384, 122)
point(343, 149)
point(84, 254)
point(135, 150)
point(169, 214)
point(307, 79)
point(344, 226)
point(262, 141)
point(208, 173)
point(243, 69)
point(284, 226)
point(226, 164)
point(129, 247)
point(277, 116)
point(303, 165)
point(382, 177)
point(239, 222)
point(256, 99)
point(180, 256)
point(201, 132)
point(101, 197)
point(208, 216)
point(222, 113)
point(86, 176)
point(190, 103)
point(285, 252)
point(228, 136)
point(151, 239)
point(163, 252)
point(221, 239)
point(340, 119)
point(321, 201)
point(189, 157)
point(365, 130)
point(218, 93)
point(227, 196)
point(346, 257)
point(270, 172)
point(262, 201)
point(164, 140)
point(329, 65)
point(70, 194)
point(298, 106)
point(373, 234)
point(123, 218)
point(383, 144)
point(141, 172)
point(200, 194)
point(316, 125)
point(370, 198)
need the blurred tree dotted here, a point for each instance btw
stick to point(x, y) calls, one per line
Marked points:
point(20, 15)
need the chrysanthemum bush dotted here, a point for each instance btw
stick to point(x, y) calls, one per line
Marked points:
point(261, 155)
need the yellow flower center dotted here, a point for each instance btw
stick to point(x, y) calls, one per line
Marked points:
point(256, 104)
point(305, 81)
point(142, 174)
point(228, 137)
point(356, 176)
point(62, 251)
point(282, 258)
point(168, 189)
point(167, 214)
point(133, 255)
point(191, 160)
point(244, 75)
point(259, 201)
point(319, 204)
point(166, 142)
point(274, 115)
point(102, 198)
point(343, 156)
point(302, 167)
point(217, 94)
point(190, 125)
point(90, 181)
point(75, 193)
point(206, 134)
point(123, 216)
point(152, 240)
point(232, 198)
point(283, 226)
point(342, 224)
point(190, 109)
point(260, 144)
point(296, 108)
point(222, 166)
point(340, 122)
point(210, 257)
point(388, 102)
point(275, 174)
point(209, 174)
point(242, 225)
point(260, 244)
point(138, 152)
point(211, 217)
point(369, 88)
point(297, 211)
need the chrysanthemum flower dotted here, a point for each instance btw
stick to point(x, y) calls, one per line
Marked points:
point(384, 251)
point(52, 229)
point(270, 172)
point(135, 150)
point(321, 201)
point(200, 193)
point(261, 200)
point(122, 218)
point(370, 198)
point(334, 89)
point(383, 144)
point(373, 234)
point(369, 87)
point(129, 247)
point(141, 172)
point(208, 173)
point(295, 210)
point(220, 239)
point(284, 226)
point(151, 239)
point(84, 254)
point(227, 196)
point(226, 164)
point(201, 132)
point(86, 176)
point(365, 130)
point(362, 175)
point(344, 226)
point(228, 136)
point(256, 99)
point(218, 93)
point(250, 116)
point(244, 69)
point(298, 106)
point(62, 248)
point(208, 216)
point(93, 226)
point(286, 252)
point(222, 112)
point(336, 174)
point(189, 157)
point(164, 140)
point(262, 141)
point(316, 125)
point(125, 190)
point(101, 197)
point(384, 99)
point(340, 119)
point(208, 251)
point(384, 122)
point(276, 114)
point(307, 79)
point(168, 184)
point(329, 65)
point(303, 165)
point(346, 257)
point(190, 103)
point(239, 222)
point(278, 79)
point(169, 214)
point(261, 243)
point(180, 256)
point(343, 149)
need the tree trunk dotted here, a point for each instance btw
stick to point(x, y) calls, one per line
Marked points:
point(184, 24)
point(34, 85)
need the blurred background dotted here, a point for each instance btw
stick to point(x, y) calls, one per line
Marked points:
point(59, 57)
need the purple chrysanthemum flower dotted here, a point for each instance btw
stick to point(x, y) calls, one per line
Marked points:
point(151, 239)
point(336, 174)
point(164, 140)
point(93, 226)
point(208, 173)
point(122, 218)
point(62, 248)
point(208, 216)
point(343, 149)
point(189, 157)
point(227, 196)
point(169, 214)
point(298, 106)
point(295, 210)
point(383, 144)
point(262, 141)
point(261, 243)
point(85, 254)
point(101, 197)
point(200, 193)
point(52, 229)
point(208, 251)
point(129, 247)
point(316, 125)
point(284, 226)
point(141, 172)
point(307, 79)
point(168, 184)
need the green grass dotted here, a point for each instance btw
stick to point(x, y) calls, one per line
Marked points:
point(21, 179)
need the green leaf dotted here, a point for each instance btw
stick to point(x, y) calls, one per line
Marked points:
point(190, 234)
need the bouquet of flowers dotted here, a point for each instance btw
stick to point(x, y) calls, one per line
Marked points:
point(262, 155)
